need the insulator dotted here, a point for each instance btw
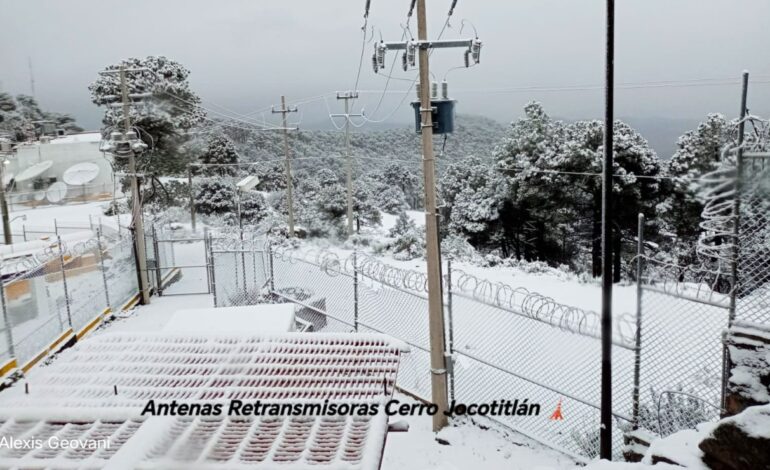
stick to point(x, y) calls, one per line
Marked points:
point(366, 10)
point(375, 67)
point(444, 90)
point(404, 63)
point(476, 50)
point(452, 8)
point(411, 52)
point(417, 88)
point(411, 9)
point(434, 90)
point(131, 136)
point(467, 58)
point(380, 54)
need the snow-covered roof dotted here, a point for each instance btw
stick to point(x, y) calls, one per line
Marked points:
point(75, 396)
point(78, 138)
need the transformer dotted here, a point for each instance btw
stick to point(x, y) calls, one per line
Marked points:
point(443, 115)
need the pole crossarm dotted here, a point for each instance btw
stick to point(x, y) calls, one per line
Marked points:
point(427, 44)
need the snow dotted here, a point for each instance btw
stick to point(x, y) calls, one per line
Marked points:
point(681, 447)
point(248, 320)
point(755, 421)
point(78, 138)
point(470, 447)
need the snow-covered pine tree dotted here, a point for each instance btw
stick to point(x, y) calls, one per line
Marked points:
point(215, 196)
point(219, 151)
point(162, 119)
point(409, 240)
point(698, 152)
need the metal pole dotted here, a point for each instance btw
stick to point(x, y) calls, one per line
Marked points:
point(638, 345)
point(270, 264)
point(55, 227)
point(209, 264)
point(24, 232)
point(605, 433)
point(64, 282)
point(355, 288)
point(7, 322)
point(435, 297)
point(451, 343)
point(156, 249)
point(213, 272)
point(192, 196)
point(726, 362)
point(7, 235)
point(136, 210)
point(102, 265)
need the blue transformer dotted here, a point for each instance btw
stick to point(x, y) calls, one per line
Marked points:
point(443, 116)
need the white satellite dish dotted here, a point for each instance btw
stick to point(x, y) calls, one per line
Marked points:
point(38, 195)
point(33, 171)
point(81, 173)
point(56, 192)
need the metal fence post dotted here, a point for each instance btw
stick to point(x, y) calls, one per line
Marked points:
point(355, 290)
point(24, 231)
point(213, 271)
point(64, 281)
point(638, 345)
point(450, 326)
point(156, 250)
point(7, 322)
point(270, 264)
point(104, 268)
point(207, 253)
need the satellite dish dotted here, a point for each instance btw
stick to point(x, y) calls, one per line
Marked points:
point(39, 195)
point(56, 192)
point(34, 171)
point(81, 173)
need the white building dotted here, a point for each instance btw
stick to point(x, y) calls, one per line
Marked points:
point(38, 165)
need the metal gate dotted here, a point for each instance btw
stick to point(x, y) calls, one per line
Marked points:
point(178, 262)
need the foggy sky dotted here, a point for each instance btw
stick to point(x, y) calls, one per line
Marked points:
point(243, 54)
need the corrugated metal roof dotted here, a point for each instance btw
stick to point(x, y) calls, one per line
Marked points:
point(75, 396)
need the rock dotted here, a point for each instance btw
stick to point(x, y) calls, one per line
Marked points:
point(741, 442)
point(749, 384)
point(636, 443)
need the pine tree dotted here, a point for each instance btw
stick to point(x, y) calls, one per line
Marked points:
point(163, 119)
point(219, 151)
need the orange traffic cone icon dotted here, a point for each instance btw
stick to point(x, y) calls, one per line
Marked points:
point(557, 416)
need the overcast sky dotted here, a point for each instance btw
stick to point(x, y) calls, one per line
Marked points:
point(243, 54)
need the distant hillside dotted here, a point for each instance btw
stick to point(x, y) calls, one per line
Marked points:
point(474, 135)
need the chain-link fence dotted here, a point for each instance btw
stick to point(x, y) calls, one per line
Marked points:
point(503, 343)
point(64, 289)
point(753, 286)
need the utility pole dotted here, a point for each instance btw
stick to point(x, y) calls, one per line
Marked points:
point(605, 431)
point(136, 208)
point(347, 96)
point(289, 183)
point(435, 295)
point(5, 151)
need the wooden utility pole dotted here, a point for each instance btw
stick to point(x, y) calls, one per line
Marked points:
point(435, 295)
point(347, 96)
point(605, 431)
point(289, 183)
point(136, 207)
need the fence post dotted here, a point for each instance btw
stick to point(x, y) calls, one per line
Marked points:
point(270, 264)
point(104, 268)
point(638, 345)
point(209, 261)
point(155, 249)
point(213, 271)
point(24, 231)
point(450, 326)
point(55, 227)
point(355, 290)
point(7, 322)
point(64, 281)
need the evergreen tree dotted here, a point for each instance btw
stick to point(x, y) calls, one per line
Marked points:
point(219, 151)
point(163, 119)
